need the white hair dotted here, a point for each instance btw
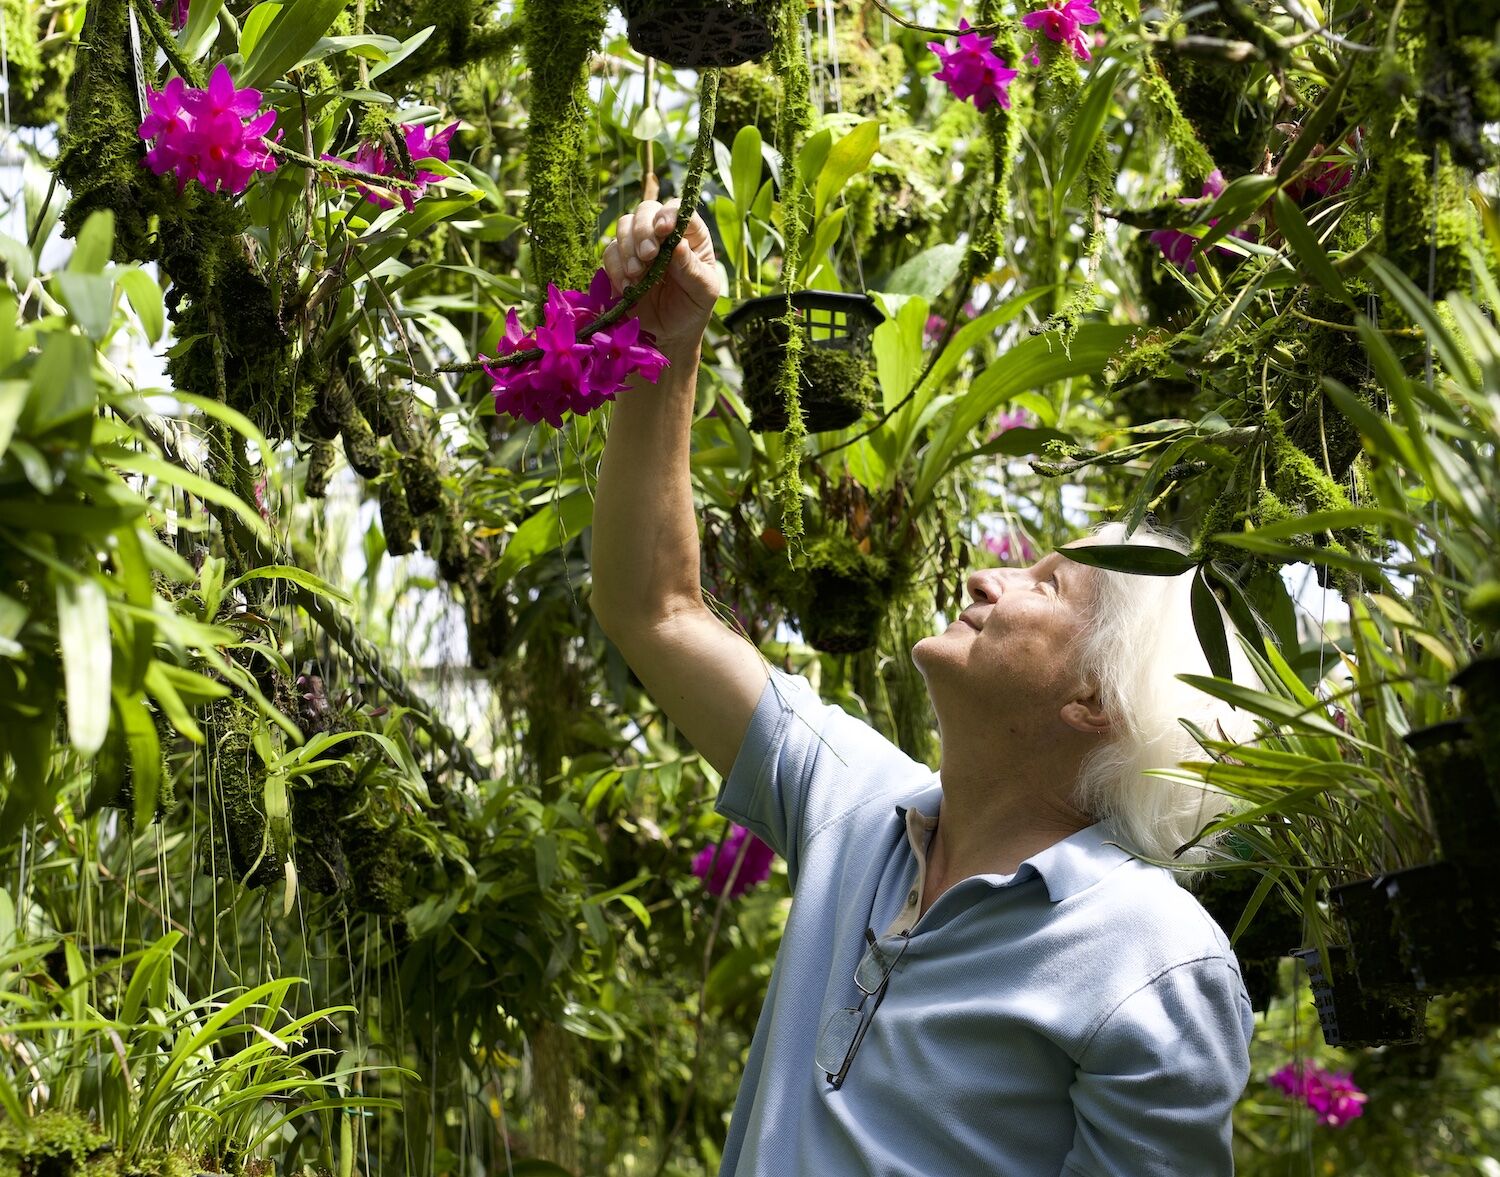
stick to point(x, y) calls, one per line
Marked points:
point(1139, 636)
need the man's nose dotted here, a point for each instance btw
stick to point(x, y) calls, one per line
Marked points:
point(986, 585)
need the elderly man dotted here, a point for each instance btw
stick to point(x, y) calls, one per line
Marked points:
point(978, 976)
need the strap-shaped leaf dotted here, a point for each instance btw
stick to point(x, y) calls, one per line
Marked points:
point(1135, 559)
point(292, 32)
point(1307, 250)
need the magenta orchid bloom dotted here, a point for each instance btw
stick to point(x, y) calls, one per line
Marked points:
point(179, 12)
point(573, 375)
point(714, 862)
point(1010, 546)
point(1063, 21)
point(215, 135)
point(421, 143)
point(974, 70)
point(1333, 1096)
point(1176, 246)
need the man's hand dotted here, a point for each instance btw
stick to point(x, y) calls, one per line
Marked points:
point(677, 309)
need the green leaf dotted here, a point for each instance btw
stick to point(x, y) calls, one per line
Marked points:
point(1271, 707)
point(746, 162)
point(1083, 132)
point(13, 395)
point(408, 47)
point(1307, 249)
point(256, 22)
point(293, 30)
point(927, 274)
point(84, 639)
point(90, 298)
point(813, 154)
point(95, 245)
point(1317, 522)
point(194, 484)
point(299, 576)
point(897, 344)
point(62, 384)
point(1208, 622)
point(17, 261)
point(146, 300)
point(553, 526)
point(1239, 199)
point(1136, 559)
point(1314, 128)
point(848, 157)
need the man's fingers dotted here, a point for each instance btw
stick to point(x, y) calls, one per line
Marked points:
point(625, 240)
point(614, 267)
point(637, 246)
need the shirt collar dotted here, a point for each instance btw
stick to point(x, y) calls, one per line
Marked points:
point(1066, 868)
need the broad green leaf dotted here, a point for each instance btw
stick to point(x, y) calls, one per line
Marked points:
point(1317, 522)
point(1083, 132)
point(202, 24)
point(846, 158)
point(1424, 314)
point(293, 30)
point(1208, 623)
point(1137, 559)
point(146, 300)
point(91, 298)
point(13, 395)
point(927, 274)
point(745, 168)
point(95, 245)
point(62, 385)
point(1307, 250)
point(84, 639)
point(195, 484)
point(256, 23)
point(1239, 199)
point(408, 47)
point(897, 344)
point(812, 156)
point(17, 261)
point(551, 527)
point(1270, 707)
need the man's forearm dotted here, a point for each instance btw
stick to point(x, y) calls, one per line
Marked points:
point(645, 535)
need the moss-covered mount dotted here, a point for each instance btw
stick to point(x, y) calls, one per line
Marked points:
point(844, 596)
point(39, 53)
point(837, 381)
point(1224, 102)
point(561, 207)
point(66, 1144)
point(696, 34)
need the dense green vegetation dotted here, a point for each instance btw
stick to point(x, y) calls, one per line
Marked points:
point(334, 836)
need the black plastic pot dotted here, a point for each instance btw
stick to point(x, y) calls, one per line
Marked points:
point(1447, 922)
point(699, 33)
point(1351, 1016)
point(1261, 979)
point(1274, 932)
point(838, 371)
point(1374, 948)
point(1480, 683)
point(1459, 797)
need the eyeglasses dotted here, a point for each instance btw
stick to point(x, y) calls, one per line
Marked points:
point(845, 1030)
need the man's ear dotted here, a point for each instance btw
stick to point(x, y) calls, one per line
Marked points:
point(1086, 715)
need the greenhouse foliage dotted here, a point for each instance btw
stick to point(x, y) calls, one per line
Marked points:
point(335, 836)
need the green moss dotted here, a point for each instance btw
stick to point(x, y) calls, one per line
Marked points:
point(1224, 102)
point(749, 96)
point(1481, 74)
point(419, 478)
point(99, 158)
point(361, 446)
point(1428, 217)
point(395, 520)
point(57, 1144)
point(868, 76)
point(1165, 119)
point(489, 622)
point(320, 461)
point(844, 597)
point(837, 387)
point(318, 848)
point(242, 845)
point(378, 868)
point(561, 210)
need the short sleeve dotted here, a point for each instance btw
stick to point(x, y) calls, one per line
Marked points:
point(1156, 1085)
point(805, 765)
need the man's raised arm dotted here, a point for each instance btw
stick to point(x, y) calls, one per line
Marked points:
point(647, 594)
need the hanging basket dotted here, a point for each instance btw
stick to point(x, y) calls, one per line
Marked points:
point(1351, 1016)
point(1275, 930)
point(1447, 920)
point(844, 599)
point(1462, 803)
point(1480, 683)
point(838, 371)
point(697, 34)
point(1262, 981)
point(1373, 952)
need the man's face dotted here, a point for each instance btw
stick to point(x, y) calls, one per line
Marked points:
point(1011, 652)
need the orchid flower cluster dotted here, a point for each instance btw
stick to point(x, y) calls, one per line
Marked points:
point(421, 143)
point(715, 861)
point(1178, 246)
point(975, 71)
point(573, 374)
point(215, 135)
point(1333, 1096)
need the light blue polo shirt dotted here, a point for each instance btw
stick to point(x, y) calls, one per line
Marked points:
point(1082, 1017)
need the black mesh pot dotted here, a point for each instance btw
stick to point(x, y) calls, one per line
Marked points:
point(846, 595)
point(1459, 797)
point(699, 33)
point(1349, 1015)
point(1275, 929)
point(838, 372)
point(1480, 683)
point(1261, 981)
point(1447, 921)
point(1374, 948)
